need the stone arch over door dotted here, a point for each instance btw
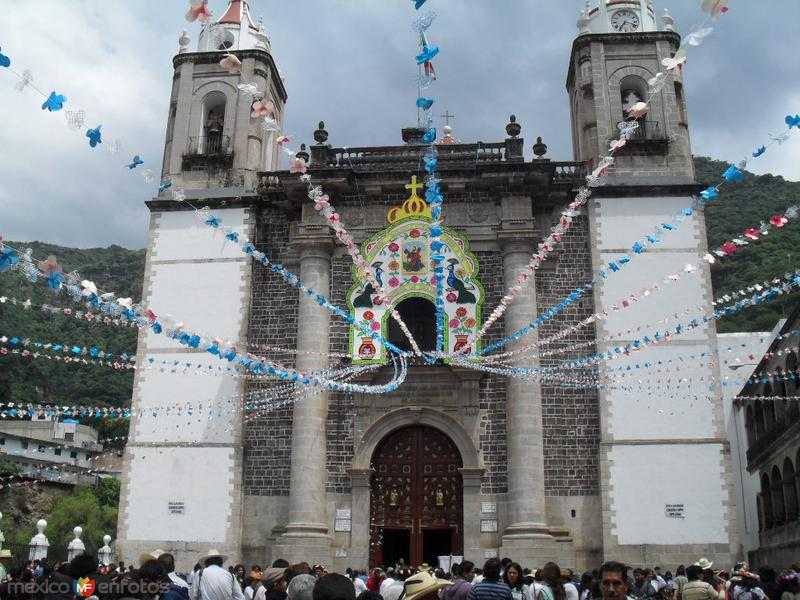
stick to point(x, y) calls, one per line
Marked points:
point(416, 497)
point(360, 473)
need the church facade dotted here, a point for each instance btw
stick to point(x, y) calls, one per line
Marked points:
point(457, 461)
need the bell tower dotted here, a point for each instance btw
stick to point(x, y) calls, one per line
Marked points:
point(648, 425)
point(211, 139)
point(617, 53)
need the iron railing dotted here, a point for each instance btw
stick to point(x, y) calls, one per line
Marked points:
point(209, 145)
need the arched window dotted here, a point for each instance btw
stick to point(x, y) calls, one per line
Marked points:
point(419, 314)
point(749, 426)
point(758, 418)
point(632, 90)
point(779, 388)
point(789, 490)
point(778, 505)
point(769, 408)
point(791, 370)
point(766, 503)
point(212, 139)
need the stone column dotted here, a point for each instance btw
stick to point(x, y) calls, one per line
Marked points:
point(306, 536)
point(523, 406)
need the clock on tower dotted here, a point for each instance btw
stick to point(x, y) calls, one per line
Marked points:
point(625, 21)
point(618, 16)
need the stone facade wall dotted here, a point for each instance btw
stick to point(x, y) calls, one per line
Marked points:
point(273, 321)
point(570, 416)
point(492, 394)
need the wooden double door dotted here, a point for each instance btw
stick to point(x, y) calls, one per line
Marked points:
point(416, 498)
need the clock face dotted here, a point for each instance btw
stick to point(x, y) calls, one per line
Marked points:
point(625, 21)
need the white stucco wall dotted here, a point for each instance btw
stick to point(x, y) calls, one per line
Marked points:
point(198, 279)
point(198, 476)
point(662, 424)
point(646, 478)
point(652, 404)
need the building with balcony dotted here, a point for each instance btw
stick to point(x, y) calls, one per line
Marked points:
point(770, 407)
point(49, 449)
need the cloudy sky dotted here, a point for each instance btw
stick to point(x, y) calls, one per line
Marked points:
point(349, 63)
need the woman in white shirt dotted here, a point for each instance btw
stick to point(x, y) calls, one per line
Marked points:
point(515, 580)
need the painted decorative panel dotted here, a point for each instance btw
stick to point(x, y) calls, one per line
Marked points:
point(399, 258)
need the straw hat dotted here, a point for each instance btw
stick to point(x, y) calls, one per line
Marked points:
point(423, 584)
point(425, 567)
point(147, 556)
point(704, 563)
point(213, 553)
point(5, 553)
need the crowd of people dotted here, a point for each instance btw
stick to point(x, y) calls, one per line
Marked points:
point(155, 578)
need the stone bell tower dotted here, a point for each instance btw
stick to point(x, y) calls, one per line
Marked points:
point(648, 425)
point(182, 479)
point(211, 140)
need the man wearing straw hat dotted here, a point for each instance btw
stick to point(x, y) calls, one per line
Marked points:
point(213, 582)
point(423, 586)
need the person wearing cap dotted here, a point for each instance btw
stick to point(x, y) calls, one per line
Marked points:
point(5, 560)
point(213, 582)
point(273, 585)
point(423, 586)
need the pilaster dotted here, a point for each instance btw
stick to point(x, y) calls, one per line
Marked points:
point(307, 537)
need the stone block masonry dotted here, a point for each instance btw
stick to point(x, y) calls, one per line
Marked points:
point(273, 321)
point(570, 416)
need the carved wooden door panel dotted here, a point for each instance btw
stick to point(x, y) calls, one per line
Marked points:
point(416, 486)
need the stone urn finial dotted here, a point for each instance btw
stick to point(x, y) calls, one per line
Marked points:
point(320, 135)
point(539, 148)
point(513, 129)
point(104, 553)
point(39, 543)
point(303, 153)
point(183, 42)
point(667, 20)
point(76, 546)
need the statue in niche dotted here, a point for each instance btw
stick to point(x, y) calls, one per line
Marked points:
point(439, 496)
point(393, 497)
point(214, 128)
point(629, 98)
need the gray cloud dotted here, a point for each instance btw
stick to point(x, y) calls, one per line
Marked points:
point(349, 63)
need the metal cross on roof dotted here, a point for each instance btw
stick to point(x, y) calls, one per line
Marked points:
point(447, 116)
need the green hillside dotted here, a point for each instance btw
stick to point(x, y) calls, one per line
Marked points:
point(24, 380)
point(739, 207)
point(114, 268)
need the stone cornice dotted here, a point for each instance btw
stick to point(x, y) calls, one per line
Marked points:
point(207, 58)
point(618, 38)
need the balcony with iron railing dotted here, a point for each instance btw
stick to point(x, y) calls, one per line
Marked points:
point(649, 137)
point(205, 150)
